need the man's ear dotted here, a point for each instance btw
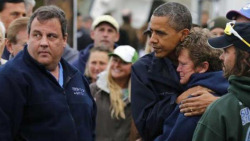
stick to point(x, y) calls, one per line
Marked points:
point(9, 46)
point(203, 67)
point(92, 34)
point(65, 38)
point(184, 34)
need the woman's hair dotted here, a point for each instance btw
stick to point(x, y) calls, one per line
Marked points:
point(117, 105)
point(199, 50)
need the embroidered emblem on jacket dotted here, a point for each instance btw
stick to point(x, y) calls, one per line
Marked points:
point(245, 115)
point(78, 91)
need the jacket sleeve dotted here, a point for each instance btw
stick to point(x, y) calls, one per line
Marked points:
point(177, 124)
point(148, 108)
point(211, 126)
point(12, 102)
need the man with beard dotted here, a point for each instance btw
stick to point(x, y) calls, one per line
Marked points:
point(228, 118)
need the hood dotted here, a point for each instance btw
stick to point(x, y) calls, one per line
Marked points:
point(102, 81)
point(211, 80)
point(239, 86)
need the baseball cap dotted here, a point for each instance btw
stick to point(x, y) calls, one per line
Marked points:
point(126, 53)
point(219, 22)
point(244, 11)
point(224, 41)
point(105, 18)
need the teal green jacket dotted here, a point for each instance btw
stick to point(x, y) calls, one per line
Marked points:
point(228, 118)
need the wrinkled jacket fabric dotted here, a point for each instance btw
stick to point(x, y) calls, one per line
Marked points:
point(34, 107)
point(108, 128)
point(178, 127)
point(227, 119)
point(154, 89)
point(80, 62)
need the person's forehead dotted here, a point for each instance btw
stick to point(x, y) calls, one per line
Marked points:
point(11, 4)
point(38, 25)
point(102, 24)
point(159, 23)
point(14, 7)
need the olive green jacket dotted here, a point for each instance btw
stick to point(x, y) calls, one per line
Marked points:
point(228, 118)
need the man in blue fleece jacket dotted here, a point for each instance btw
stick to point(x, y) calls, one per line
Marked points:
point(43, 98)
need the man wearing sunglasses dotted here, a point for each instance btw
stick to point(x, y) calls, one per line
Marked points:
point(228, 118)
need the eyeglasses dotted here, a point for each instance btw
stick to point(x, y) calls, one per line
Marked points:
point(229, 31)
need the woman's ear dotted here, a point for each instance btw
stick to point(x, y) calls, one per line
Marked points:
point(203, 67)
point(184, 34)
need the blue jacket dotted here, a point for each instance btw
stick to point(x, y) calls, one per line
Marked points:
point(155, 86)
point(34, 107)
point(81, 61)
point(178, 127)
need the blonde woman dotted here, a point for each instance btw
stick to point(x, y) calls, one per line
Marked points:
point(112, 95)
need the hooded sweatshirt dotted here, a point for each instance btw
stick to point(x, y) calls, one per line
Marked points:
point(228, 118)
point(179, 127)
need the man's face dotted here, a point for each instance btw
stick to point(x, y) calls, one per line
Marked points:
point(163, 38)
point(241, 19)
point(46, 42)
point(12, 11)
point(105, 35)
point(228, 58)
point(22, 38)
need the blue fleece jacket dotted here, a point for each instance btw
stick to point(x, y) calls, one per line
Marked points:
point(34, 107)
point(80, 62)
point(178, 127)
point(154, 88)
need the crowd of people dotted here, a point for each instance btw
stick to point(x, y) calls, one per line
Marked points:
point(191, 84)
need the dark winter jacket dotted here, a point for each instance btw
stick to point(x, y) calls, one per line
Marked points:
point(34, 107)
point(80, 62)
point(178, 127)
point(227, 119)
point(155, 87)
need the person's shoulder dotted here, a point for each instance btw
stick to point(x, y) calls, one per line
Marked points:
point(87, 49)
point(144, 60)
point(219, 106)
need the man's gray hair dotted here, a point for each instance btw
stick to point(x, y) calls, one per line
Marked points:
point(45, 13)
point(179, 16)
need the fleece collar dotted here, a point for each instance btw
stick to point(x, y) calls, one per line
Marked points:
point(102, 81)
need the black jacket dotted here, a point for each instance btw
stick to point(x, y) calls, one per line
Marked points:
point(34, 107)
point(155, 87)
